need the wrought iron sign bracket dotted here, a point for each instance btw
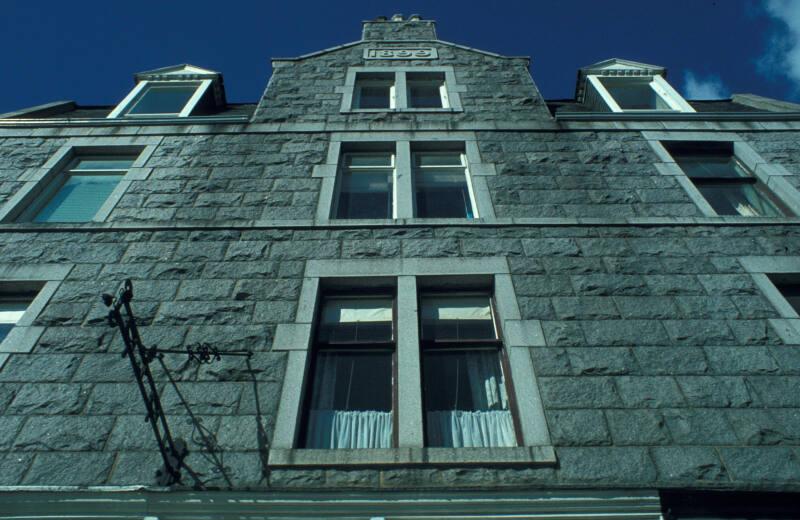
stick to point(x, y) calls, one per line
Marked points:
point(173, 451)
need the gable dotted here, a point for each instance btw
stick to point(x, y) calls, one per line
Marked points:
point(182, 71)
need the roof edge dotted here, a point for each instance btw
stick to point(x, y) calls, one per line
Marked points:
point(765, 103)
point(44, 110)
point(443, 42)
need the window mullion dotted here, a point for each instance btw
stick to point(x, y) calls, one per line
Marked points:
point(409, 383)
point(404, 187)
point(400, 91)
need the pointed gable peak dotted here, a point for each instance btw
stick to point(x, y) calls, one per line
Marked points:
point(618, 66)
point(615, 67)
point(177, 72)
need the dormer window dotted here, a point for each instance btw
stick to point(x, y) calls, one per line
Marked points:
point(179, 91)
point(626, 86)
point(162, 99)
point(636, 94)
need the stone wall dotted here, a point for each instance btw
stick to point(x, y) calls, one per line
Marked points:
point(660, 367)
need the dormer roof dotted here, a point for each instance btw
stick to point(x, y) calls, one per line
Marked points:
point(183, 71)
point(187, 72)
point(615, 67)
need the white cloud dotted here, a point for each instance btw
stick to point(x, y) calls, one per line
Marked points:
point(710, 87)
point(783, 51)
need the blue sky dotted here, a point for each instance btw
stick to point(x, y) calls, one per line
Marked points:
point(88, 50)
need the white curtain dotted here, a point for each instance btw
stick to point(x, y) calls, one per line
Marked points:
point(486, 381)
point(465, 429)
point(333, 425)
point(490, 424)
point(331, 429)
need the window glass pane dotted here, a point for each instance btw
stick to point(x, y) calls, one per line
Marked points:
point(5, 328)
point(424, 95)
point(466, 403)
point(438, 159)
point(11, 312)
point(351, 401)
point(365, 194)
point(350, 320)
point(79, 199)
point(711, 166)
point(457, 318)
point(634, 94)
point(163, 99)
point(368, 159)
point(104, 163)
point(738, 199)
point(442, 194)
point(790, 291)
point(374, 96)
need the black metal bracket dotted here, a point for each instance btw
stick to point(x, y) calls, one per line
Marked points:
point(173, 451)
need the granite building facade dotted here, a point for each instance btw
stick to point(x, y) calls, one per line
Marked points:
point(460, 299)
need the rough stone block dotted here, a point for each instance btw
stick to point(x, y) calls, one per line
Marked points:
point(49, 368)
point(776, 391)
point(637, 427)
point(603, 466)
point(717, 391)
point(64, 433)
point(624, 332)
point(46, 398)
point(761, 465)
point(563, 333)
point(578, 428)
point(609, 285)
point(741, 360)
point(766, 426)
point(671, 360)
point(59, 469)
point(578, 392)
point(649, 392)
point(689, 464)
point(585, 308)
point(699, 426)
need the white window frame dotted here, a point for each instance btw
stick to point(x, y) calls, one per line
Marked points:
point(416, 168)
point(403, 186)
point(36, 181)
point(449, 89)
point(344, 167)
point(442, 93)
point(54, 186)
point(11, 317)
point(773, 176)
point(656, 82)
point(48, 277)
point(518, 336)
point(361, 83)
point(787, 326)
point(121, 110)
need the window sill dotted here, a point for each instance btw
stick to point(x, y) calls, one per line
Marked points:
point(520, 456)
point(401, 221)
point(401, 110)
